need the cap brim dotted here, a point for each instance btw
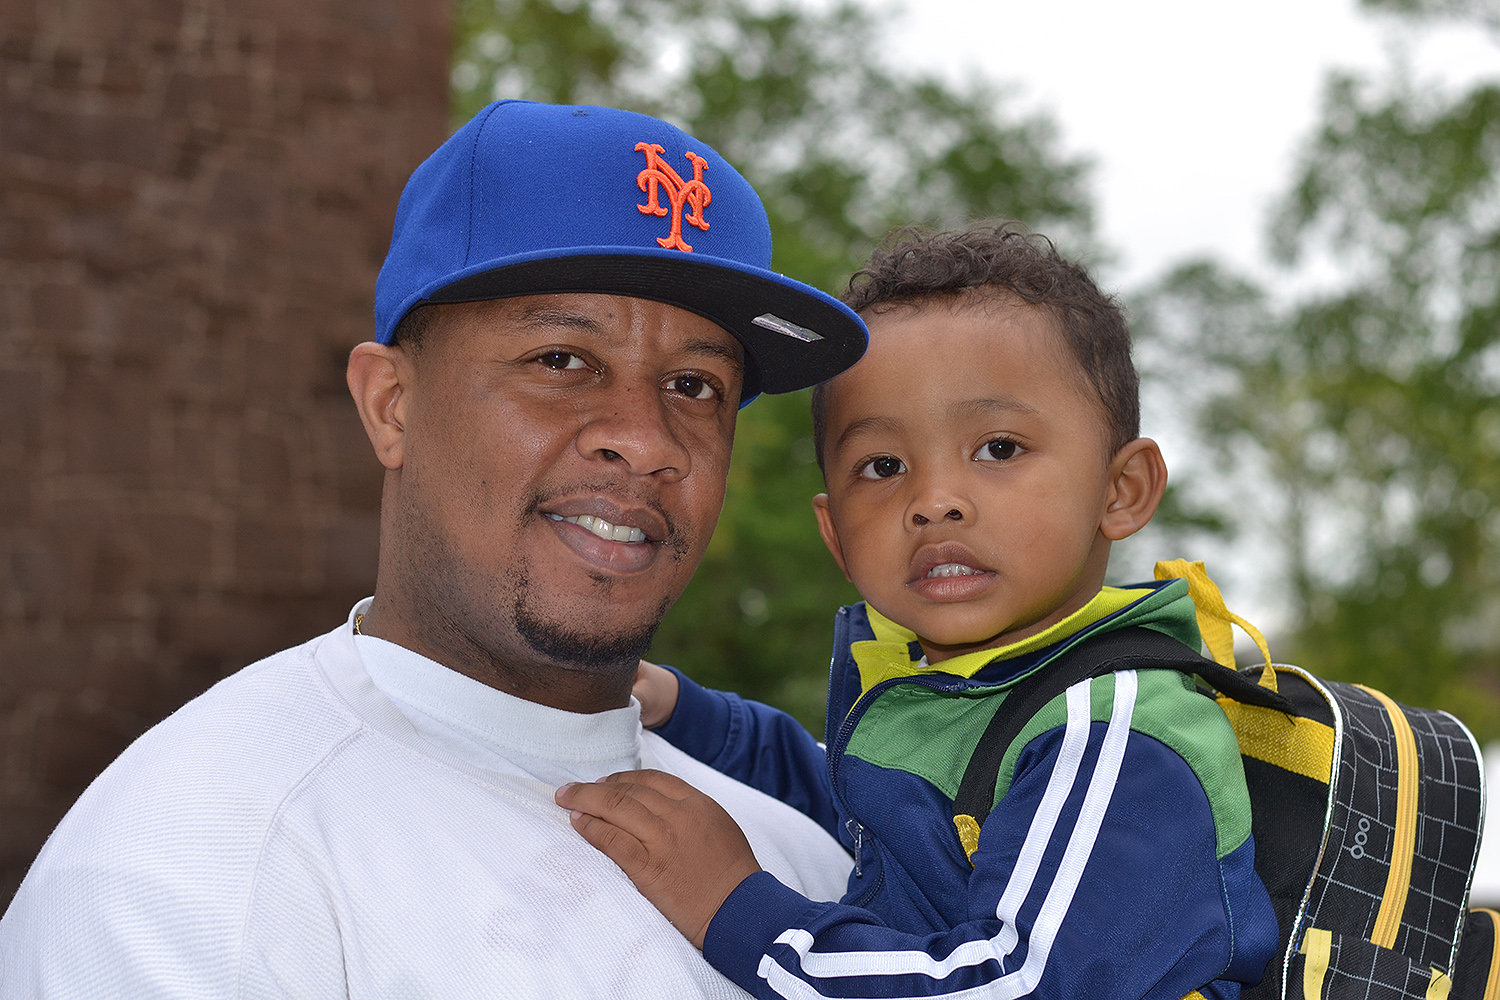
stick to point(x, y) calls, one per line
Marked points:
point(794, 335)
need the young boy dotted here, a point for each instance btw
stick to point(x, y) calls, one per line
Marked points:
point(980, 460)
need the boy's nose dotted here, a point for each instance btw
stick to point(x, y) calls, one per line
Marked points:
point(954, 514)
point(937, 496)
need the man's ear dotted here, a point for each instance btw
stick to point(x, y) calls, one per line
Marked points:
point(1137, 479)
point(826, 529)
point(380, 380)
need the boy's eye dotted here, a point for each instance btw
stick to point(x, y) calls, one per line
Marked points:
point(561, 360)
point(883, 467)
point(999, 450)
point(694, 387)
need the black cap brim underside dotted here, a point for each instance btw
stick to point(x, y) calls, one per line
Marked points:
point(775, 361)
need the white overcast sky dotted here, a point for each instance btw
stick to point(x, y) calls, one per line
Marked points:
point(1191, 111)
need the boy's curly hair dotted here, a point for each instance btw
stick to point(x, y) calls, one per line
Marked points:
point(913, 266)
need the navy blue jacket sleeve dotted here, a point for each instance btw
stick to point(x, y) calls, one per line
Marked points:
point(1096, 876)
point(761, 746)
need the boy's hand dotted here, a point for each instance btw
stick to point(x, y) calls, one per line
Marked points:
point(656, 689)
point(680, 848)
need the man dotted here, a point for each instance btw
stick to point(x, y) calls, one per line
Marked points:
point(575, 303)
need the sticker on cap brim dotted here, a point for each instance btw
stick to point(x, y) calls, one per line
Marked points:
point(785, 327)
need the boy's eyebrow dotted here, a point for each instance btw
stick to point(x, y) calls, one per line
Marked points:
point(982, 406)
point(864, 424)
point(1005, 403)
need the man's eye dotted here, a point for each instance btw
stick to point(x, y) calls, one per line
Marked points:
point(561, 360)
point(999, 450)
point(694, 387)
point(883, 467)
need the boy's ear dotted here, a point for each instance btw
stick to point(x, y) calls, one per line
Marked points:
point(1137, 480)
point(380, 378)
point(826, 529)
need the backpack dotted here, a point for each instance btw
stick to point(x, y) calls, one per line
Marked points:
point(1366, 813)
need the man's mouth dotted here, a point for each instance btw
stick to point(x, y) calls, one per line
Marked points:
point(604, 529)
point(951, 569)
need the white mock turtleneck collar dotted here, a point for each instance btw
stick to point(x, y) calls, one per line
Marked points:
point(499, 731)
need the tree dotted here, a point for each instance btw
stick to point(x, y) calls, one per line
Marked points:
point(1368, 413)
point(841, 148)
point(1486, 12)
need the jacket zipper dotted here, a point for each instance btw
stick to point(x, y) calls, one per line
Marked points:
point(845, 732)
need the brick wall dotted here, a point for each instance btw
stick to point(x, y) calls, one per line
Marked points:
point(195, 196)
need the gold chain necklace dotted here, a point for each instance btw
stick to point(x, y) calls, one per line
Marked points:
point(358, 620)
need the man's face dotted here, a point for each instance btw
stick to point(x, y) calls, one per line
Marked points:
point(563, 465)
point(967, 474)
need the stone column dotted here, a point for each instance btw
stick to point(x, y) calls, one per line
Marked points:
point(195, 197)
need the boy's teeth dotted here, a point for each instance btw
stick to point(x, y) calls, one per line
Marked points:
point(951, 569)
point(602, 528)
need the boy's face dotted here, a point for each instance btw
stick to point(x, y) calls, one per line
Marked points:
point(969, 474)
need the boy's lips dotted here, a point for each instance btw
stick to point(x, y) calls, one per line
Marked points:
point(945, 561)
point(948, 572)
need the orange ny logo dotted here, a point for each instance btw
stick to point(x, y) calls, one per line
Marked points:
point(693, 193)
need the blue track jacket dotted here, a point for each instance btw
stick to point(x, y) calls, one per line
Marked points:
point(1116, 864)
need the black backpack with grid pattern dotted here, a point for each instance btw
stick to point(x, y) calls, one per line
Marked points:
point(1366, 815)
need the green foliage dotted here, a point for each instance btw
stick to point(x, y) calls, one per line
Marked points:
point(842, 148)
point(1404, 366)
point(1484, 11)
point(1373, 409)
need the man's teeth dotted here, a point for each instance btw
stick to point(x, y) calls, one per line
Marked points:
point(951, 569)
point(602, 528)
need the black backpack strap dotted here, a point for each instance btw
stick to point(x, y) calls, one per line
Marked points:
point(1131, 648)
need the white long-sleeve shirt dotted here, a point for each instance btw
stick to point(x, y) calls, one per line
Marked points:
point(349, 819)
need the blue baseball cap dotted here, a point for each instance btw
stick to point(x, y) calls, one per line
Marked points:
point(534, 198)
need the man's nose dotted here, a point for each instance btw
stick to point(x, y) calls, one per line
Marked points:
point(632, 425)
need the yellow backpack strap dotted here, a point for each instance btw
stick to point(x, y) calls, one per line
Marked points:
point(1317, 945)
point(1215, 620)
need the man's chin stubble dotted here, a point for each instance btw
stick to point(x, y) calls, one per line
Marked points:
point(593, 652)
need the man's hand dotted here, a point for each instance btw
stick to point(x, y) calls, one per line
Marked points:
point(656, 689)
point(680, 848)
